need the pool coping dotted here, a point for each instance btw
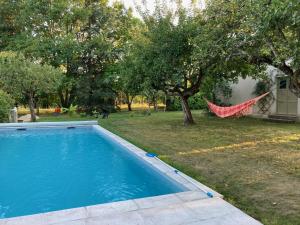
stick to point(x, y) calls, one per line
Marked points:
point(196, 191)
point(164, 168)
point(48, 124)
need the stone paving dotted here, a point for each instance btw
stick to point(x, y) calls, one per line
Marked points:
point(191, 208)
point(197, 205)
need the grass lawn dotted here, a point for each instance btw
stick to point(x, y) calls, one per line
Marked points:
point(253, 163)
point(64, 117)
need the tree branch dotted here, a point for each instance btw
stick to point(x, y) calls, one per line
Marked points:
point(194, 88)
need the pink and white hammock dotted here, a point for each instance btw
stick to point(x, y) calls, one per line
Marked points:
point(242, 109)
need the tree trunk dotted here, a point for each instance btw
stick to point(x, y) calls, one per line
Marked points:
point(31, 107)
point(37, 106)
point(129, 102)
point(188, 118)
point(63, 100)
point(66, 98)
point(129, 106)
point(155, 106)
point(149, 108)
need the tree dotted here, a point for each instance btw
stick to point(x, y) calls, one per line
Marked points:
point(126, 78)
point(260, 33)
point(22, 78)
point(152, 96)
point(168, 55)
point(6, 102)
point(82, 37)
point(8, 24)
point(125, 74)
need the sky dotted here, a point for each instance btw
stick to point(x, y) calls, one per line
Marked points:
point(151, 3)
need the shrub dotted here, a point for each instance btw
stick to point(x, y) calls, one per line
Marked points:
point(263, 86)
point(71, 111)
point(173, 103)
point(217, 91)
point(6, 102)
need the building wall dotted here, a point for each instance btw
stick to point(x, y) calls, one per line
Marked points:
point(244, 88)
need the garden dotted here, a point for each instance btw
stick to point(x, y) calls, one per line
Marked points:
point(146, 75)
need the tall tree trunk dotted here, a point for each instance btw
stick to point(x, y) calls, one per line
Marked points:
point(169, 102)
point(129, 102)
point(188, 118)
point(37, 106)
point(155, 106)
point(31, 107)
point(149, 107)
point(129, 106)
point(63, 99)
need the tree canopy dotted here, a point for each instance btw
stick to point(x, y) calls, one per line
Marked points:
point(180, 50)
point(6, 102)
point(82, 37)
point(22, 78)
point(260, 33)
point(104, 51)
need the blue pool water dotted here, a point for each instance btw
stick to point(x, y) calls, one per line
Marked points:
point(51, 169)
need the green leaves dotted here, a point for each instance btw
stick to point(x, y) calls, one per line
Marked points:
point(6, 103)
point(21, 77)
point(259, 32)
point(82, 37)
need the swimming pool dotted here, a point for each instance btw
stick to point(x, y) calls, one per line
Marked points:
point(47, 169)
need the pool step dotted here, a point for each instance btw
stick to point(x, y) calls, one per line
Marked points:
point(282, 118)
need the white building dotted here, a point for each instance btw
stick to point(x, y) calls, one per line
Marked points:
point(284, 104)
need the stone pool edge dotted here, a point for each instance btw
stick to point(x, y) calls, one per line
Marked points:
point(47, 124)
point(164, 168)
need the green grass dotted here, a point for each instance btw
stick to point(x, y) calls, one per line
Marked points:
point(64, 117)
point(255, 164)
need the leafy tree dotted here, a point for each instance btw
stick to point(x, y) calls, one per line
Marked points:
point(6, 102)
point(260, 33)
point(127, 80)
point(126, 75)
point(151, 95)
point(167, 56)
point(177, 54)
point(8, 22)
point(22, 78)
point(82, 37)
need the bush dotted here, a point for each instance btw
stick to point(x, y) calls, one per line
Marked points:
point(195, 102)
point(6, 102)
point(263, 86)
point(71, 111)
point(173, 103)
point(214, 90)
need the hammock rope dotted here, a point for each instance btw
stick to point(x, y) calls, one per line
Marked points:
point(242, 109)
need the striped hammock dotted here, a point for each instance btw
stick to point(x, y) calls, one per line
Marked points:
point(242, 109)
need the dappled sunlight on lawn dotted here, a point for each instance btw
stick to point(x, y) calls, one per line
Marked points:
point(254, 163)
point(246, 144)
